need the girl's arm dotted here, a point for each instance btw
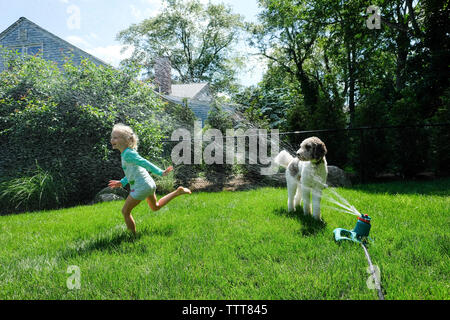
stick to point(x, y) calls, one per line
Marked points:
point(124, 181)
point(115, 184)
point(166, 172)
point(133, 157)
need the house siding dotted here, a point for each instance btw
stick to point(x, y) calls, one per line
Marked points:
point(27, 37)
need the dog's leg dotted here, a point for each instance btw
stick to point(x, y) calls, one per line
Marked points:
point(298, 196)
point(292, 187)
point(306, 194)
point(316, 198)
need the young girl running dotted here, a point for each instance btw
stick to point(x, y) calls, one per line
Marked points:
point(135, 167)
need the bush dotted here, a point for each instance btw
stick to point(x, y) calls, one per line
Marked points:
point(165, 184)
point(440, 136)
point(406, 111)
point(220, 120)
point(180, 117)
point(62, 121)
point(38, 190)
point(374, 156)
point(72, 141)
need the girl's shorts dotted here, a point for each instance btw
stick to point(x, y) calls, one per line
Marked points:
point(141, 192)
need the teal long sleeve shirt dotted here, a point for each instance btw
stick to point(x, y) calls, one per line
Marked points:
point(136, 167)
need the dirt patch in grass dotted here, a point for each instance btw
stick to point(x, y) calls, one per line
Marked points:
point(235, 183)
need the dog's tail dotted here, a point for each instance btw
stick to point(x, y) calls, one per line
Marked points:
point(283, 159)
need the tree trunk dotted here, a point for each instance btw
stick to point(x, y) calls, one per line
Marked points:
point(310, 91)
point(351, 83)
point(402, 41)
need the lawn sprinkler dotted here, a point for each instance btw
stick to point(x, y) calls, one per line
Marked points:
point(359, 234)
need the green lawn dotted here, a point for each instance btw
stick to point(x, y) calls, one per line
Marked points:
point(233, 245)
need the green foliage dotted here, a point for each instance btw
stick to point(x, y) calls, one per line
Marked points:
point(406, 111)
point(440, 148)
point(376, 153)
point(38, 190)
point(62, 121)
point(218, 119)
point(150, 135)
point(181, 117)
point(264, 106)
point(336, 73)
point(197, 38)
point(167, 183)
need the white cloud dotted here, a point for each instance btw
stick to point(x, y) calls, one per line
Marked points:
point(111, 54)
point(78, 42)
point(140, 14)
point(93, 35)
point(153, 3)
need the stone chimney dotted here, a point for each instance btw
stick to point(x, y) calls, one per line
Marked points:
point(163, 77)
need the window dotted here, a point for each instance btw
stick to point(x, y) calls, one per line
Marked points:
point(17, 50)
point(34, 50)
point(22, 34)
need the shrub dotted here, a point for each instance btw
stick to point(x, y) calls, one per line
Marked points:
point(371, 150)
point(165, 184)
point(181, 117)
point(62, 120)
point(406, 111)
point(440, 136)
point(72, 142)
point(220, 120)
point(38, 190)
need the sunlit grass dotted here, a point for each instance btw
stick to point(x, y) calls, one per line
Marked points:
point(232, 245)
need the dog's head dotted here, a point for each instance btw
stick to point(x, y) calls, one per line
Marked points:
point(312, 149)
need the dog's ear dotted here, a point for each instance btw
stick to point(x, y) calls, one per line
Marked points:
point(319, 151)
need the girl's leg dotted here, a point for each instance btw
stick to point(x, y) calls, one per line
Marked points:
point(156, 205)
point(129, 205)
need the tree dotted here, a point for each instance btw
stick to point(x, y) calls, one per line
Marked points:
point(286, 35)
point(292, 36)
point(331, 66)
point(197, 39)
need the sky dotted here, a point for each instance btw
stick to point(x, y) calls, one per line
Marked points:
point(92, 25)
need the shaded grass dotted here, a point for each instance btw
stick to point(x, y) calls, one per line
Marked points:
point(232, 245)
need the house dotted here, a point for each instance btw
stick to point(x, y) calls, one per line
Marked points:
point(26, 37)
point(197, 95)
point(192, 91)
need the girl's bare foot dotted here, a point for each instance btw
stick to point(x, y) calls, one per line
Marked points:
point(182, 190)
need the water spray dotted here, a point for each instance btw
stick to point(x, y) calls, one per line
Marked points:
point(359, 234)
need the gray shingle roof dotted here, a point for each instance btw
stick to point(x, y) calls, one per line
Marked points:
point(189, 90)
point(45, 35)
point(200, 108)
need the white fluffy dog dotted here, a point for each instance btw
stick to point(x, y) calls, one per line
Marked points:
point(305, 174)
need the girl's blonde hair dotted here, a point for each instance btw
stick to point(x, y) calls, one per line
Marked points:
point(128, 134)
